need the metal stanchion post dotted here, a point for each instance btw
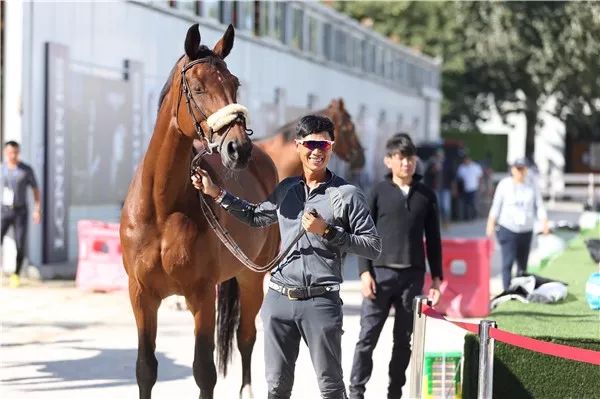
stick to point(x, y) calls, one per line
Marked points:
point(591, 198)
point(418, 346)
point(486, 360)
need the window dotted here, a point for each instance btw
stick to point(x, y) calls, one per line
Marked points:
point(340, 46)
point(193, 7)
point(228, 13)
point(327, 37)
point(297, 29)
point(210, 9)
point(379, 61)
point(358, 53)
point(245, 15)
point(313, 35)
point(264, 18)
point(280, 21)
point(372, 58)
point(400, 70)
point(388, 65)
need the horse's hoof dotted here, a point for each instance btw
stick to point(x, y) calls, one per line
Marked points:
point(246, 392)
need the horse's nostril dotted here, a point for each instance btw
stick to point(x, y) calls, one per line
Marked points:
point(232, 148)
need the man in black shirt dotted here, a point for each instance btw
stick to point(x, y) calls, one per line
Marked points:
point(404, 210)
point(16, 176)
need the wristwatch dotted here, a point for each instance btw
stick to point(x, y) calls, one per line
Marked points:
point(329, 232)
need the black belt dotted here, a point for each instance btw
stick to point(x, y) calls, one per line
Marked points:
point(294, 293)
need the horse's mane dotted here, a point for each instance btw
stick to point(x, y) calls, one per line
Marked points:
point(203, 52)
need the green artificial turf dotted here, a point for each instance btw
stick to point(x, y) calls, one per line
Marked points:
point(571, 318)
point(519, 373)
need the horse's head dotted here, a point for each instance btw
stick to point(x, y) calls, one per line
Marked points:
point(209, 111)
point(347, 144)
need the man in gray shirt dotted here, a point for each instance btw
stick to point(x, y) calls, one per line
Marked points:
point(303, 300)
point(516, 205)
point(16, 176)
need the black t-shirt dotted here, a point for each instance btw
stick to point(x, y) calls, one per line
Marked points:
point(17, 180)
point(402, 221)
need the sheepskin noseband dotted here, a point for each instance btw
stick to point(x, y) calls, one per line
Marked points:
point(226, 115)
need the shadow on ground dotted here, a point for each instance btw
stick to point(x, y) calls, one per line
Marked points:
point(117, 367)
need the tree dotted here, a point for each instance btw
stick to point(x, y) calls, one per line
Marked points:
point(577, 64)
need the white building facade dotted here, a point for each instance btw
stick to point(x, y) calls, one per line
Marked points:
point(81, 83)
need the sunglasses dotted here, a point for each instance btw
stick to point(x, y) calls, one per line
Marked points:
point(323, 145)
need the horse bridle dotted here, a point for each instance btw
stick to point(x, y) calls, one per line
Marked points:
point(207, 139)
point(208, 212)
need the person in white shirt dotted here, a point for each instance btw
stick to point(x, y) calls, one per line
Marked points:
point(516, 205)
point(469, 173)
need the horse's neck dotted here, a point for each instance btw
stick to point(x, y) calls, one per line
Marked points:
point(166, 169)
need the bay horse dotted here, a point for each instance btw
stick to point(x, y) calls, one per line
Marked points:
point(282, 148)
point(168, 247)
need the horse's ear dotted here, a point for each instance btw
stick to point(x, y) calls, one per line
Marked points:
point(192, 42)
point(341, 103)
point(224, 46)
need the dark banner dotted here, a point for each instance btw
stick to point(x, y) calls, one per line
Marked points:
point(57, 190)
point(101, 139)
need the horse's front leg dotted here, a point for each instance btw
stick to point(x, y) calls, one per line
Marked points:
point(145, 308)
point(251, 297)
point(202, 305)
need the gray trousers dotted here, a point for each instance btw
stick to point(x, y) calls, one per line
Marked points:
point(317, 321)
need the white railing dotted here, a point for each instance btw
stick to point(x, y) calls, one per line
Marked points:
point(575, 186)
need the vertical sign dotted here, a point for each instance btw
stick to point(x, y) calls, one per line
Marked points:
point(135, 76)
point(56, 193)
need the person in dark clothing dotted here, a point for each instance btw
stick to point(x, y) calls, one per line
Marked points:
point(16, 176)
point(404, 210)
point(303, 301)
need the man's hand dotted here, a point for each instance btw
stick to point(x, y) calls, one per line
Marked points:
point(434, 291)
point(368, 287)
point(546, 227)
point(202, 181)
point(313, 224)
point(37, 216)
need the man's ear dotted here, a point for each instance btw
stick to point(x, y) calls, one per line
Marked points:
point(387, 162)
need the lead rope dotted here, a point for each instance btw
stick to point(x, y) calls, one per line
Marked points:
point(228, 240)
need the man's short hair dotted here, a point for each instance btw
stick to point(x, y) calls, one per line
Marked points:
point(400, 143)
point(12, 143)
point(310, 124)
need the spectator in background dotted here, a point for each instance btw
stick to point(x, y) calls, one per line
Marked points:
point(517, 202)
point(16, 176)
point(439, 177)
point(469, 174)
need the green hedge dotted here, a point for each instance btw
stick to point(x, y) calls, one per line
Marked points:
point(519, 373)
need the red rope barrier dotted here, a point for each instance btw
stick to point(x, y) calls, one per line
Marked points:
point(547, 348)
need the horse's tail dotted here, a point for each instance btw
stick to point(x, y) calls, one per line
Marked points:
point(227, 321)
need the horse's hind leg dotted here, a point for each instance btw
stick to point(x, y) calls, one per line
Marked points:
point(251, 297)
point(202, 305)
point(145, 308)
